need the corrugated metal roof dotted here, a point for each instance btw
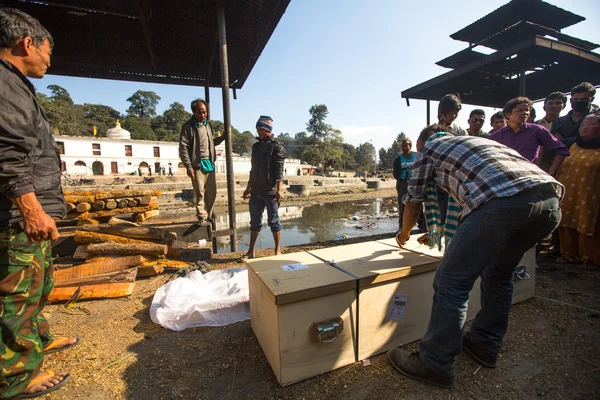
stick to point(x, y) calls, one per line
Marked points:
point(493, 80)
point(158, 41)
point(536, 11)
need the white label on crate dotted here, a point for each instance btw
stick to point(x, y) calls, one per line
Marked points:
point(398, 307)
point(293, 267)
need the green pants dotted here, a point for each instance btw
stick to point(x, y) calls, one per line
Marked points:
point(26, 280)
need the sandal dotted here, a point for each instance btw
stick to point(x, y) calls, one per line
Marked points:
point(244, 258)
point(58, 344)
point(44, 375)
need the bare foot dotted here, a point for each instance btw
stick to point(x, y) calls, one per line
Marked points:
point(44, 380)
point(277, 252)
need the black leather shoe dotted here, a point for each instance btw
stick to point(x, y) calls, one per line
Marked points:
point(413, 366)
point(476, 354)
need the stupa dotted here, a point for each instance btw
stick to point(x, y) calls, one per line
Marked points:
point(118, 133)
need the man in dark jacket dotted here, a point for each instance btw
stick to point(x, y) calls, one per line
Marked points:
point(566, 128)
point(197, 152)
point(30, 201)
point(265, 186)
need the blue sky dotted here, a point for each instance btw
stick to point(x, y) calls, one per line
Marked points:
point(354, 56)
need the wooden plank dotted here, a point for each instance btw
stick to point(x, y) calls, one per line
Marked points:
point(119, 221)
point(373, 262)
point(127, 249)
point(319, 279)
point(83, 207)
point(413, 245)
point(97, 268)
point(84, 237)
point(110, 204)
point(84, 220)
point(301, 358)
point(166, 264)
point(102, 291)
point(264, 321)
point(141, 217)
point(133, 232)
point(115, 194)
point(98, 205)
point(146, 200)
point(119, 211)
point(127, 275)
point(78, 198)
point(145, 271)
point(80, 252)
point(174, 252)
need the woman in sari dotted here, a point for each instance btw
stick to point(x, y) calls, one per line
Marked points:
point(579, 228)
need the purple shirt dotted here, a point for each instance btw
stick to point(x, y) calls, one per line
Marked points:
point(528, 139)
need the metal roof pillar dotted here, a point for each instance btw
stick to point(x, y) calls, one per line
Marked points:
point(227, 121)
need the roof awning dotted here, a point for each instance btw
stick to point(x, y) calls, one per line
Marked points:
point(492, 80)
point(156, 41)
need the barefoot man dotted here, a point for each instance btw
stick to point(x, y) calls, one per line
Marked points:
point(265, 185)
point(30, 200)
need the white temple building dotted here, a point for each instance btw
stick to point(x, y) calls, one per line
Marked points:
point(117, 153)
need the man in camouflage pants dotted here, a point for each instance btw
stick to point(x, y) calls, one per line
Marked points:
point(30, 201)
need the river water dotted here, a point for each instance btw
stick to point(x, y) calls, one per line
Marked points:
point(317, 222)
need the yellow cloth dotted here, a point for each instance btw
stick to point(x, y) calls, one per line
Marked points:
point(580, 173)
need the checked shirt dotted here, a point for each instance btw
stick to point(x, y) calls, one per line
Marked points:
point(473, 171)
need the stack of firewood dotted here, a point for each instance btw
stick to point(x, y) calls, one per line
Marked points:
point(88, 207)
point(113, 255)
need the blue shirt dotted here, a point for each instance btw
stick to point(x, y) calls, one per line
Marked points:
point(405, 165)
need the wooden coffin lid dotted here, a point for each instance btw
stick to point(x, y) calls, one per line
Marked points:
point(373, 262)
point(415, 246)
point(319, 279)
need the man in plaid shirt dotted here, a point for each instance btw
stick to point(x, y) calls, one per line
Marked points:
point(508, 205)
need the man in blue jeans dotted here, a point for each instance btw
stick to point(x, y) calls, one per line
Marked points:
point(265, 185)
point(508, 205)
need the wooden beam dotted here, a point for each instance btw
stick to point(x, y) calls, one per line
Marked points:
point(97, 268)
point(127, 249)
point(84, 237)
point(133, 232)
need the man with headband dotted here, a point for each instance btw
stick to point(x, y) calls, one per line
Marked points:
point(265, 185)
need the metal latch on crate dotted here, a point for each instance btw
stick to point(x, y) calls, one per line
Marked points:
point(326, 331)
point(521, 273)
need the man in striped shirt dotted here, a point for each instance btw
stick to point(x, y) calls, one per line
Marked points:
point(508, 205)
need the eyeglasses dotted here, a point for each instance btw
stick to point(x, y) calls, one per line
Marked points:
point(474, 120)
point(581, 100)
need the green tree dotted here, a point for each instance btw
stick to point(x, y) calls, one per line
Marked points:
point(175, 116)
point(143, 104)
point(60, 93)
point(348, 159)
point(242, 142)
point(140, 128)
point(101, 116)
point(326, 152)
point(65, 118)
point(387, 156)
point(316, 124)
point(365, 157)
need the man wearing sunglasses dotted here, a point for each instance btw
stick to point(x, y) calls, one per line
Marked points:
point(476, 121)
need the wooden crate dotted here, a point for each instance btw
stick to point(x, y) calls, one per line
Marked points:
point(358, 287)
point(384, 272)
point(524, 289)
point(286, 308)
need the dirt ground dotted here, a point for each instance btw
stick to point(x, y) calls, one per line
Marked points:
point(551, 350)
